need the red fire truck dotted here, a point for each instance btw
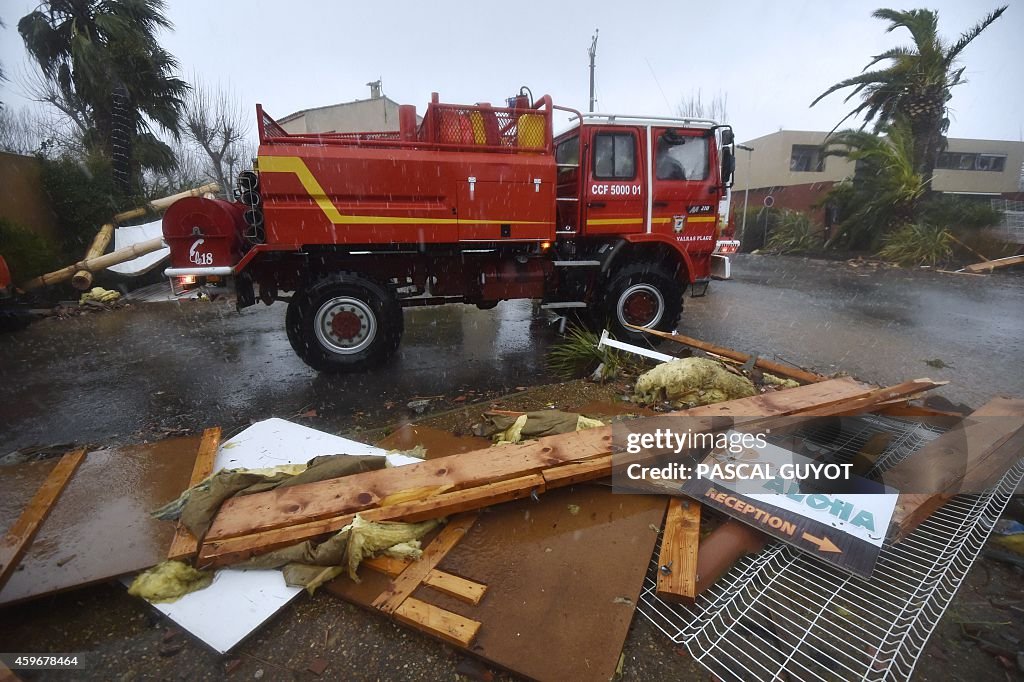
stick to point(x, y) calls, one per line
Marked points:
point(611, 219)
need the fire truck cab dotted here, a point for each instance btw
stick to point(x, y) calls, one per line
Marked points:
point(611, 219)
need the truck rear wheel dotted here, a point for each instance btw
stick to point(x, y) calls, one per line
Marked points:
point(344, 323)
point(643, 295)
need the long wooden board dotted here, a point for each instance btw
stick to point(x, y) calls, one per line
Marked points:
point(403, 585)
point(232, 550)
point(677, 561)
point(20, 535)
point(991, 265)
point(301, 504)
point(185, 545)
point(571, 453)
point(777, 368)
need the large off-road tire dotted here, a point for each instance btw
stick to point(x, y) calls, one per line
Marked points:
point(344, 323)
point(644, 294)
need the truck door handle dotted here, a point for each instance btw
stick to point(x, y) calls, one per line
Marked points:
point(660, 204)
point(595, 204)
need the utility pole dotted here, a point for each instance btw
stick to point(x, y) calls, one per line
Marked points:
point(746, 189)
point(593, 53)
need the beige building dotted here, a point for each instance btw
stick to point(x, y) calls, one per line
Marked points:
point(794, 157)
point(374, 115)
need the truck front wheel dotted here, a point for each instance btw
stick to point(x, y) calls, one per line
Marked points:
point(344, 323)
point(642, 295)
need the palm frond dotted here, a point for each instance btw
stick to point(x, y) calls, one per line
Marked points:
point(969, 35)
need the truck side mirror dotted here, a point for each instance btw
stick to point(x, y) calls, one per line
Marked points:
point(727, 137)
point(728, 166)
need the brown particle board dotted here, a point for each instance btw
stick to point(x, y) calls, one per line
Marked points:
point(562, 587)
point(100, 527)
point(19, 536)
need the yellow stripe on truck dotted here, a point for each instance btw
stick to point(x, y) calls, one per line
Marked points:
point(294, 164)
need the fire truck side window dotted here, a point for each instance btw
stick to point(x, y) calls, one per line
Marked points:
point(681, 157)
point(614, 156)
point(568, 153)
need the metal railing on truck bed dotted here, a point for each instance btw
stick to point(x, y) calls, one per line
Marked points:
point(445, 127)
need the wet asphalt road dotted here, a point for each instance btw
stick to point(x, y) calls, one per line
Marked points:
point(122, 375)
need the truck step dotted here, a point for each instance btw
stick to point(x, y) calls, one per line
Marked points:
point(563, 304)
point(577, 263)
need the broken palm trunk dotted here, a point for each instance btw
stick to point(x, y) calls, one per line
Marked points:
point(254, 524)
point(94, 260)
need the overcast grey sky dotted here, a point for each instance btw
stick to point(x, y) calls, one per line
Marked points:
point(770, 58)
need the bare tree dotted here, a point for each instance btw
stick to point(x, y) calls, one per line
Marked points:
point(218, 124)
point(695, 107)
point(20, 131)
point(189, 171)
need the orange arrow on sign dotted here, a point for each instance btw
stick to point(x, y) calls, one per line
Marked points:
point(824, 544)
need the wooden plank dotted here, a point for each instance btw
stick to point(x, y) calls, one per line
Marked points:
point(567, 448)
point(464, 590)
point(969, 458)
point(20, 535)
point(433, 620)
point(406, 582)
point(990, 265)
point(677, 561)
point(877, 397)
point(184, 545)
point(777, 368)
point(304, 503)
point(220, 553)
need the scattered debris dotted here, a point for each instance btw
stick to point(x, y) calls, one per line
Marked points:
point(691, 382)
point(168, 582)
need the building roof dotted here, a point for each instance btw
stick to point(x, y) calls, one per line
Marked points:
point(302, 112)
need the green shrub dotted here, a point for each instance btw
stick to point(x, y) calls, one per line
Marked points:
point(27, 254)
point(577, 355)
point(83, 196)
point(958, 213)
point(917, 244)
point(794, 233)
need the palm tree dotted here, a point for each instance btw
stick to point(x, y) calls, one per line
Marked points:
point(916, 83)
point(886, 187)
point(99, 51)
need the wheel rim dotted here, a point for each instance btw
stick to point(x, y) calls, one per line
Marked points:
point(641, 305)
point(345, 325)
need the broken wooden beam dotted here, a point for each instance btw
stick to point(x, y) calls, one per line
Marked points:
point(184, 546)
point(777, 368)
point(219, 553)
point(300, 504)
point(254, 524)
point(677, 560)
point(164, 203)
point(970, 457)
point(990, 265)
point(82, 279)
point(20, 535)
point(406, 582)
